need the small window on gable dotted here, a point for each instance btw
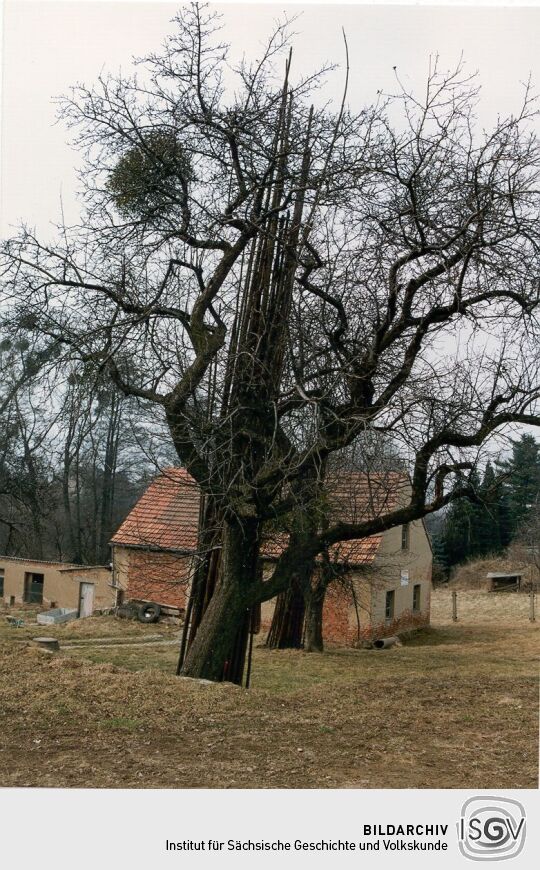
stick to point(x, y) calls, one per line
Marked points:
point(389, 609)
point(416, 596)
point(405, 535)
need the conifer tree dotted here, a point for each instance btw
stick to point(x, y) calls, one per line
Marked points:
point(487, 539)
point(523, 481)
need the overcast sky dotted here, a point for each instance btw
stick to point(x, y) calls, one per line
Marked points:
point(50, 45)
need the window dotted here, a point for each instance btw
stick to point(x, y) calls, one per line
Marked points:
point(405, 534)
point(1, 582)
point(416, 596)
point(389, 611)
point(33, 588)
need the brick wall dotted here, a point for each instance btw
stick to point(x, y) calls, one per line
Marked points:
point(337, 604)
point(159, 577)
point(164, 578)
point(336, 616)
point(340, 619)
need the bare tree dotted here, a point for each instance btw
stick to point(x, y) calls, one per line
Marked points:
point(337, 492)
point(69, 469)
point(278, 280)
point(26, 472)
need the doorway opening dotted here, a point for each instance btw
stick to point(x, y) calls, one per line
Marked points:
point(33, 588)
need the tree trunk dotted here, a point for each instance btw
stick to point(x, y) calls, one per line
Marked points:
point(287, 628)
point(68, 517)
point(107, 482)
point(78, 553)
point(219, 646)
point(314, 617)
point(208, 566)
point(36, 508)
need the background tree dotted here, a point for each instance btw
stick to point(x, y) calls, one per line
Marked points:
point(522, 488)
point(71, 463)
point(527, 542)
point(502, 505)
point(441, 562)
point(473, 527)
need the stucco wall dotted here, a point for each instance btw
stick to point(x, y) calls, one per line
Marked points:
point(390, 562)
point(349, 619)
point(60, 586)
point(101, 578)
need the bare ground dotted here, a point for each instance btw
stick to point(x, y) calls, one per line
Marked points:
point(455, 707)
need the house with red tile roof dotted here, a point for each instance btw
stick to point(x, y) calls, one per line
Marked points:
point(388, 576)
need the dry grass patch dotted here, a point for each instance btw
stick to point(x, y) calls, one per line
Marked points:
point(479, 608)
point(454, 707)
point(98, 628)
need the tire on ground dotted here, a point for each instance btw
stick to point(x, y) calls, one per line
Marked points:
point(148, 612)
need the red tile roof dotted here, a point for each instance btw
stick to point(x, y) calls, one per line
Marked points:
point(353, 497)
point(166, 516)
point(355, 552)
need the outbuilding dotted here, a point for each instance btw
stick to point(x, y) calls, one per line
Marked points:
point(500, 582)
point(389, 575)
point(85, 588)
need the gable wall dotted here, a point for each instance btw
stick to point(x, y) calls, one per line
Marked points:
point(152, 576)
point(390, 561)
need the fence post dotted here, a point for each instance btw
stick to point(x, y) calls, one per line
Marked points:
point(454, 605)
point(532, 617)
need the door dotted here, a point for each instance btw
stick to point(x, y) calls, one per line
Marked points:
point(86, 599)
point(33, 588)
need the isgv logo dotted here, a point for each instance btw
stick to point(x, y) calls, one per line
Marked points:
point(491, 828)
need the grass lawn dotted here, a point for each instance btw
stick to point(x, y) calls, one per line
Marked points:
point(454, 707)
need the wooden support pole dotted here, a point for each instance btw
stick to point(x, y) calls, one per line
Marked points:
point(532, 617)
point(454, 605)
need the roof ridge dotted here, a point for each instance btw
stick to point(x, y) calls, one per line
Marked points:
point(166, 517)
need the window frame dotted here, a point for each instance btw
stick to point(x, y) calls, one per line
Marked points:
point(405, 536)
point(390, 605)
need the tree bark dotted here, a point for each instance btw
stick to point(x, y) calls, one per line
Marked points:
point(287, 628)
point(314, 617)
point(110, 461)
point(218, 648)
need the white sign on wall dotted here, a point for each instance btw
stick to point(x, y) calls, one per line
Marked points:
point(404, 578)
